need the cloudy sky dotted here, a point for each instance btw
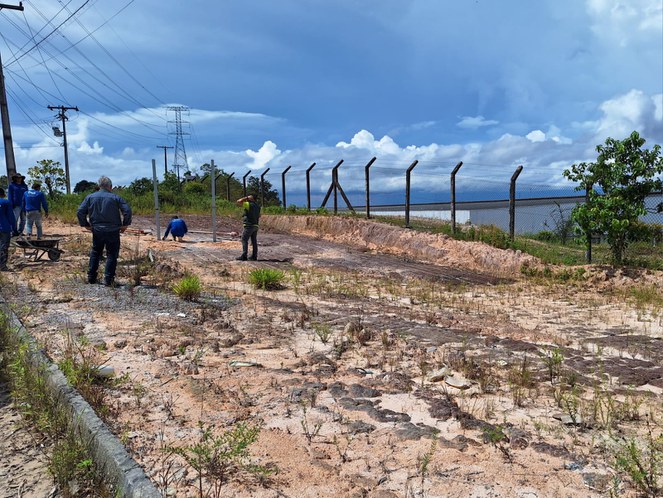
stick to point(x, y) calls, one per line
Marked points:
point(268, 84)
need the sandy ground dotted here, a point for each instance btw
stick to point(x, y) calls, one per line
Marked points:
point(391, 363)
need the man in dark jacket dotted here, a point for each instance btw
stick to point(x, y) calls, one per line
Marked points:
point(106, 215)
point(15, 194)
point(177, 228)
point(7, 228)
point(251, 219)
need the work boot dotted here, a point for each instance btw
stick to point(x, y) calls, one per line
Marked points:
point(241, 258)
point(109, 282)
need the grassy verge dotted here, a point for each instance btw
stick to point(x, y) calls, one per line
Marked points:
point(71, 463)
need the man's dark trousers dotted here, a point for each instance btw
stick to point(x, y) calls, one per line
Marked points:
point(5, 237)
point(111, 242)
point(250, 233)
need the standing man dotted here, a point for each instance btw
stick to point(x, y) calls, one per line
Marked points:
point(15, 193)
point(106, 215)
point(7, 228)
point(177, 228)
point(251, 218)
point(33, 202)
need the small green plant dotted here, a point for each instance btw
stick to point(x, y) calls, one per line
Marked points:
point(495, 435)
point(310, 430)
point(218, 458)
point(553, 359)
point(189, 288)
point(266, 278)
point(642, 463)
point(323, 331)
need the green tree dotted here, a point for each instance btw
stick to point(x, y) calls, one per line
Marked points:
point(170, 182)
point(141, 186)
point(84, 186)
point(49, 173)
point(271, 195)
point(625, 175)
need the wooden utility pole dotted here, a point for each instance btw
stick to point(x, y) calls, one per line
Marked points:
point(4, 112)
point(165, 156)
point(63, 116)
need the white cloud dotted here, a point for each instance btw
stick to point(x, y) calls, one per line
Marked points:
point(536, 136)
point(266, 153)
point(625, 113)
point(623, 21)
point(85, 148)
point(475, 122)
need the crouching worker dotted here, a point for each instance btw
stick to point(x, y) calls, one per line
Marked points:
point(177, 228)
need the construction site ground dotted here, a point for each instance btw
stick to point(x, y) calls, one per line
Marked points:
point(390, 363)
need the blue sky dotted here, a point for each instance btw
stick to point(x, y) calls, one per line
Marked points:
point(271, 84)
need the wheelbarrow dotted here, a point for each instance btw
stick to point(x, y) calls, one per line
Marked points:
point(36, 249)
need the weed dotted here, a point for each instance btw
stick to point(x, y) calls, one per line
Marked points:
point(642, 464)
point(521, 382)
point(495, 435)
point(310, 431)
point(323, 331)
point(188, 288)
point(553, 359)
point(217, 458)
point(266, 278)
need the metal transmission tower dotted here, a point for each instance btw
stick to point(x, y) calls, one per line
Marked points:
point(180, 152)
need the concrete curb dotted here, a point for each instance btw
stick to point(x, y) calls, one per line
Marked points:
point(114, 462)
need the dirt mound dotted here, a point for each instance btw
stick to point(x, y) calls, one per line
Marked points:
point(435, 248)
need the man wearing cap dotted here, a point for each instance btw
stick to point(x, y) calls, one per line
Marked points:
point(106, 215)
point(7, 227)
point(17, 188)
point(33, 202)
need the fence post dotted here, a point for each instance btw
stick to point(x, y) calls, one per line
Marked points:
point(244, 182)
point(335, 184)
point(407, 193)
point(453, 196)
point(512, 202)
point(588, 255)
point(262, 187)
point(283, 184)
point(308, 186)
point(228, 185)
point(213, 177)
point(156, 197)
point(368, 188)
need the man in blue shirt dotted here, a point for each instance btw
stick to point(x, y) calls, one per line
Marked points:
point(7, 228)
point(177, 228)
point(106, 215)
point(15, 194)
point(33, 202)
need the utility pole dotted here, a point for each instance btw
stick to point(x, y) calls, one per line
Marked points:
point(4, 112)
point(165, 157)
point(63, 116)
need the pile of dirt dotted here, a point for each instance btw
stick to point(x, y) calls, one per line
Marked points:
point(439, 249)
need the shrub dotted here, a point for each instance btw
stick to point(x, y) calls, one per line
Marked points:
point(188, 288)
point(266, 278)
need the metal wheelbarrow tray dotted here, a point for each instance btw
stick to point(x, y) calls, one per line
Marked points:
point(36, 249)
